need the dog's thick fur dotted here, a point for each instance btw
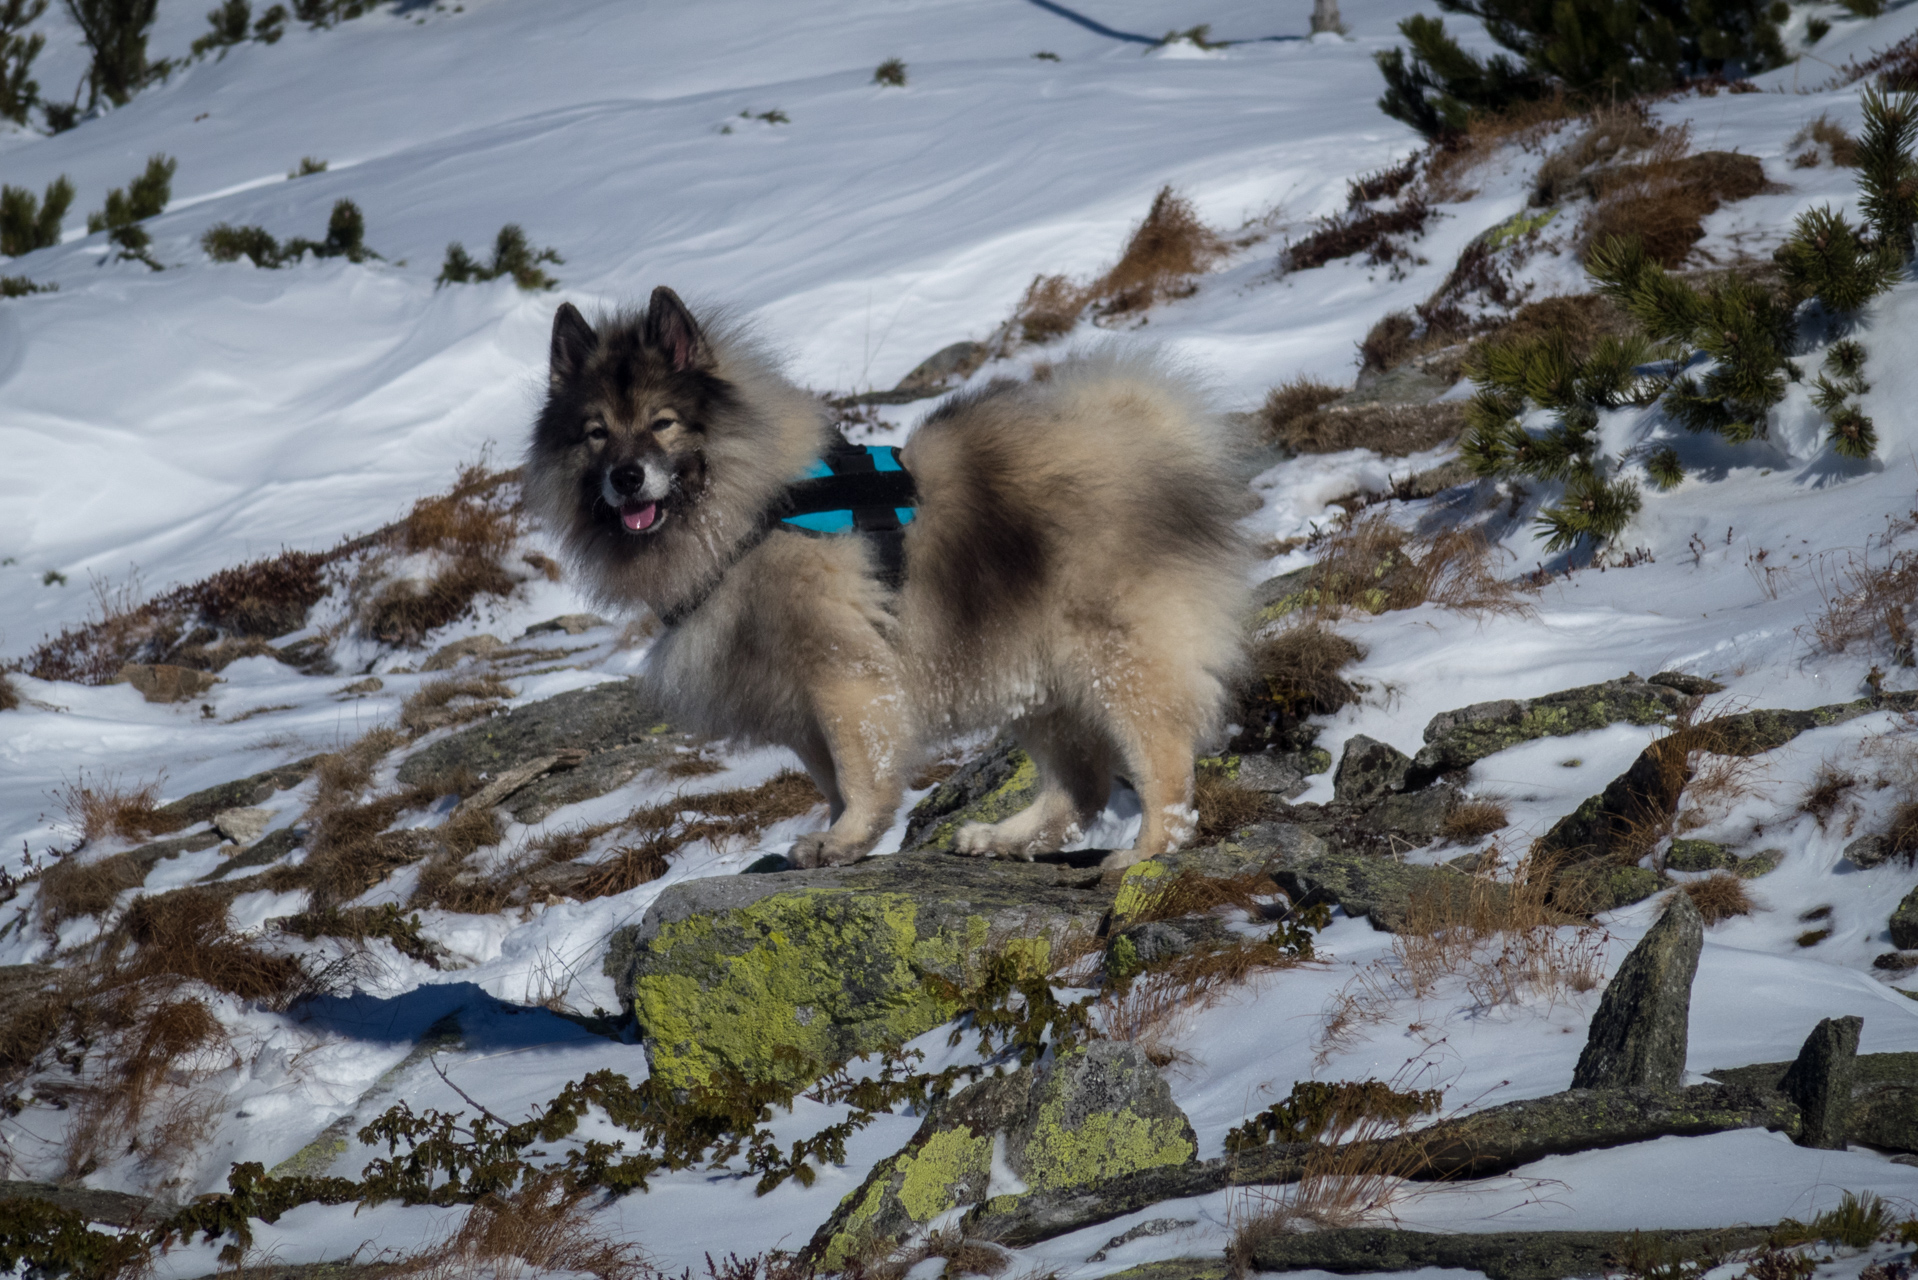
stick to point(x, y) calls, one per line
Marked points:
point(1073, 570)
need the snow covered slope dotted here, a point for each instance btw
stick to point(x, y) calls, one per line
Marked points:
point(157, 427)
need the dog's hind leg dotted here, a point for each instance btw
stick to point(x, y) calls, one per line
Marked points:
point(861, 728)
point(1158, 760)
point(1075, 779)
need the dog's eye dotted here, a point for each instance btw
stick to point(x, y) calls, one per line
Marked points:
point(660, 424)
point(597, 431)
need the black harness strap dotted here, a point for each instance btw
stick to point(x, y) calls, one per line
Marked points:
point(860, 489)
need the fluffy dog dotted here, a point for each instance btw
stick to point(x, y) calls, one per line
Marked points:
point(1072, 570)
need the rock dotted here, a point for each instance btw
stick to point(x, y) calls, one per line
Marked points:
point(1420, 814)
point(572, 624)
point(730, 973)
point(995, 784)
point(311, 656)
point(200, 806)
point(1368, 771)
point(945, 366)
point(274, 846)
point(450, 656)
point(116, 1208)
point(1761, 863)
point(1144, 1231)
point(1869, 851)
point(1639, 1035)
point(1598, 887)
point(243, 826)
point(1092, 1113)
point(1378, 889)
point(594, 776)
point(616, 713)
point(1691, 686)
point(1132, 948)
point(1896, 961)
point(1281, 773)
point(1884, 1096)
point(164, 682)
point(1405, 385)
point(1904, 923)
point(1455, 739)
point(1698, 855)
point(1502, 1255)
point(1820, 1082)
point(360, 688)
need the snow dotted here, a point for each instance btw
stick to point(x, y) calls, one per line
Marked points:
point(160, 426)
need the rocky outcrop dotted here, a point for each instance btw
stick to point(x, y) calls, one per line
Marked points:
point(1883, 1106)
point(1820, 1082)
point(1479, 1145)
point(1369, 771)
point(1639, 1035)
point(1456, 739)
point(995, 784)
point(1090, 1114)
point(200, 806)
point(1503, 1255)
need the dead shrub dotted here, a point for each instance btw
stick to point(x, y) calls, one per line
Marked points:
point(1903, 830)
point(1223, 805)
point(147, 1063)
point(1371, 232)
point(1611, 134)
point(1374, 566)
point(543, 1227)
point(1149, 1009)
point(106, 808)
point(1839, 147)
point(737, 814)
point(1381, 184)
point(1719, 896)
point(1160, 258)
point(1665, 202)
point(1290, 404)
point(1473, 820)
point(9, 693)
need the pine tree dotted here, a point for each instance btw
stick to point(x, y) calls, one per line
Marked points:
point(18, 90)
point(1591, 50)
point(144, 197)
point(513, 255)
point(116, 31)
point(27, 224)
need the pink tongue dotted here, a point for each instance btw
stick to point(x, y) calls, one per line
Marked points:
point(640, 517)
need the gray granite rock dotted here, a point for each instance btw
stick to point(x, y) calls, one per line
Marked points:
point(1639, 1035)
point(1820, 1082)
point(1369, 770)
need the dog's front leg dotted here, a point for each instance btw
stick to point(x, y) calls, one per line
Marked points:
point(862, 731)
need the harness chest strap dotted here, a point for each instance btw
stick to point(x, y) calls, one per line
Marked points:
point(853, 489)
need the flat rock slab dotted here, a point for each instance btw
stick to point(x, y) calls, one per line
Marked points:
point(114, 1207)
point(1504, 1255)
point(736, 974)
point(1456, 739)
point(200, 806)
point(618, 713)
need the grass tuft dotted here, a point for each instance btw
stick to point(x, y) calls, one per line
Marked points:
point(1719, 896)
point(1473, 820)
point(1163, 254)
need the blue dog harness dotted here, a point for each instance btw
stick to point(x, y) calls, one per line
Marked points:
point(859, 489)
point(853, 489)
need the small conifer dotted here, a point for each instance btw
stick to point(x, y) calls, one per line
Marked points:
point(1665, 469)
point(229, 25)
point(144, 197)
point(891, 72)
point(27, 224)
point(18, 89)
point(20, 287)
point(116, 33)
point(513, 255)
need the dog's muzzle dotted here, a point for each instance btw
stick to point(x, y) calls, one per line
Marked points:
point(636, 493)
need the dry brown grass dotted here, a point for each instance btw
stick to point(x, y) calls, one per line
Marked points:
point(1291, 405)
point(963, 1256)
point(1473, 820)
point(1394, 430)
point(1223, 805)
point(1372, 232)
point(1161, 257)
point(453, 700)
point(70, 889)
point(1505, 938)
point(470, 529)
point(1449, 173)
point(1374, 566)
point(1664, 202)
point(1824, 139)
point(107, 808)
point(1611, 135)
point(1867, 597)
point(737, 814)
point(1580, 319)
point(186, 935)
point(1719, 896)
point(1827, 791)
point(1295, 674)
point(154, 1062)
point(9, 693)
point(1153, 1007)
point(543, 1227)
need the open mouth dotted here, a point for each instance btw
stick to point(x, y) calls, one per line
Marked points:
point(641, 517)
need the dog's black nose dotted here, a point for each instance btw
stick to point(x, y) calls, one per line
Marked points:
point(627, 477)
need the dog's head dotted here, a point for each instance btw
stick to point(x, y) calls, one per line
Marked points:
point(627, 411)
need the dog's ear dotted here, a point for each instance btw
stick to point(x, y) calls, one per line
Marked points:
point(672, 329)
point(573, 343)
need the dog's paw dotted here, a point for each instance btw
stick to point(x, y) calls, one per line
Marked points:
point(1119, 859)
point(808, 852)
point(985, 840)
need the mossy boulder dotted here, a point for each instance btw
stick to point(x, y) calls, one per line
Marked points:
point(1455, 739)
point(600, 718)
point(1699, 855)
point(1095, 1112)
point(1904, 922)
point(1378, 889)
point(994, 785)
point(1593, 887)
point(780, 975)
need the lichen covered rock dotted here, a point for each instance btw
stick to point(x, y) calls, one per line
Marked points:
point(1639, 1034)
point(994, 785)
point(1455, 739)
point(779, 976)
point(1095, 1112)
